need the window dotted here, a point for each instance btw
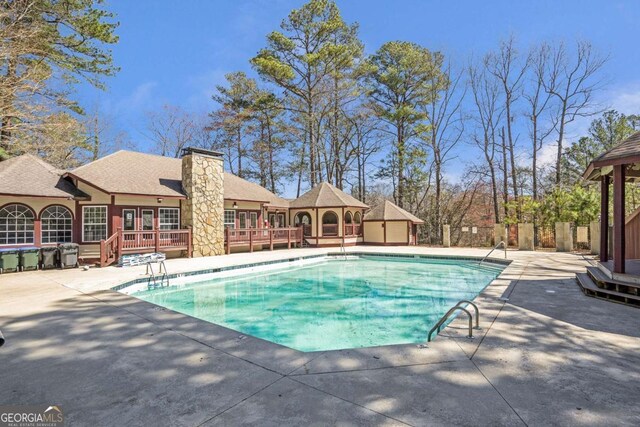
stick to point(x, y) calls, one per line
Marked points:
point(57, 225)
point(242, 219)
point(347, 218)
point(330, 224)
point(281, 221)
point(94, 223)
point(16, 225)
point(357, 218)
point(229, 218)
point(147, 219)
point(302, 218)
point(254, 219)
point(169, 218)
point(329, 218)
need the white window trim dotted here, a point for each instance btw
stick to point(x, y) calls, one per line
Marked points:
point(42, 228)
point(168, 209)
point(153, 219)
point(106, 222)
point(35, 217)
point(231, 225)
point(253, 215)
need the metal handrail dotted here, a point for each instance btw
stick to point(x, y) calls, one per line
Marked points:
point(162, 271)
point(446, 316)
point(494, 248)
point(475, 307)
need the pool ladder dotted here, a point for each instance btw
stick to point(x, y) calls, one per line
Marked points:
point(162, 275)
point(504, 245)
point(343, 251)
point(451, 311)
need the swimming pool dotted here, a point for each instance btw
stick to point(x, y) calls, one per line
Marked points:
point(330, 304)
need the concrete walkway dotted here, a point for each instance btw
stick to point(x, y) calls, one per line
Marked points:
point(547, 356)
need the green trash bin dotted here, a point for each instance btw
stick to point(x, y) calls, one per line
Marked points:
point(9, 260)
point(49, 257)
point(29, 258)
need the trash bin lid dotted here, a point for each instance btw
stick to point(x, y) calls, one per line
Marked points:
point(29, 248)
point(9, 249)
point(49, 248)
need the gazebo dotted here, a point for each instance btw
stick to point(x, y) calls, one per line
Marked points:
point(617, 275)
point(329, 216)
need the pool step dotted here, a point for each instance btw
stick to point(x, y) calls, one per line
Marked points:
point(590, 288)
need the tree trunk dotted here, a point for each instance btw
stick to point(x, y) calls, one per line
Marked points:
point(400, 171)
point(505, 173)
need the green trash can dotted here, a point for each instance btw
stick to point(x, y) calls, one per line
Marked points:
point(9, 260)
point(68, 254)
point(49, 257)
point(29, 258)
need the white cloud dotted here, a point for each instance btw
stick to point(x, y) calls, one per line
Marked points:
point(139, 98)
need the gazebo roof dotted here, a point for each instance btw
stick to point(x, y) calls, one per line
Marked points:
point(388, 211)
point(626, 152)
point(326, 195)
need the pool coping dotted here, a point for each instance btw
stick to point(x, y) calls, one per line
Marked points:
point(449, 345)
point(202, 272)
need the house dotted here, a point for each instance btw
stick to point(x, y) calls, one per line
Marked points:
point(130, 202)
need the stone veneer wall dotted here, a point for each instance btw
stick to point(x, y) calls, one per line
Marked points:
point(203, 210)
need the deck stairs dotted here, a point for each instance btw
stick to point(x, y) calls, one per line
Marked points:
point(596, 283)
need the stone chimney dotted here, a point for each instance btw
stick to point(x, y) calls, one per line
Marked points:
point(203, 210)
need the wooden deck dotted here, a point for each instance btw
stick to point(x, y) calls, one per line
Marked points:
point(291, 236)
point(136, 242)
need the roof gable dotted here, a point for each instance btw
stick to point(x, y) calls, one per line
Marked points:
point(130, 172)
point(28, 175)
point(326, 195)
point(388, 211)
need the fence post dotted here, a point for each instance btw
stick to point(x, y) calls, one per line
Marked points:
point(228, 236)
point(250, 240)
point(525, 237)
point(500, 234)
point(446, 235)
point(157, 240)
point(564, 237)
point(594, 237)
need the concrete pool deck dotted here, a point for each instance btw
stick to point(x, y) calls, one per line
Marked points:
point(547, 356)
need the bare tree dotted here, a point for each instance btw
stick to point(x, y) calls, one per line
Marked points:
point(445, 130)
point(171, 129)
point(538, 103)
point(508, 67)
point(571, 79)
point(486, 97)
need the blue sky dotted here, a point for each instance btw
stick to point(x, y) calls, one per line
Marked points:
point(177, 52)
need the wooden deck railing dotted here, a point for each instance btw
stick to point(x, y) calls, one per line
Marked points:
point(329, 229)
point(254, 236)
point(123, 242)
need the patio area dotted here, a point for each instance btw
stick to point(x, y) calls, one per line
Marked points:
point(546, 355)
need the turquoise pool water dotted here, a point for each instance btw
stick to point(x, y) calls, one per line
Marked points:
point(333, 304)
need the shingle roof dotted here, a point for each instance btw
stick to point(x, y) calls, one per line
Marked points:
point(129, 172)
point(388, 211)
point(326, 195)
point(236, 188)
point(27, 175)
point(630, 147)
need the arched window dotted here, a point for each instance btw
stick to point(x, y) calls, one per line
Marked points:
point(357, 218)
point(329, 224)
point(302, 218)
point(57, 225)
point(348, 218)
point(16, 225)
